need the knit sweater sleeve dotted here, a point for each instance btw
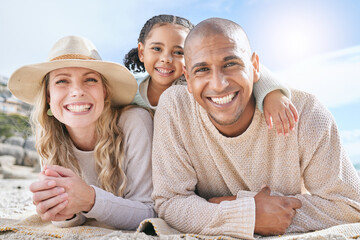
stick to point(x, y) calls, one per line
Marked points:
point(266, 84)
point(175, 182)
point(329, 176)
point(136, 204)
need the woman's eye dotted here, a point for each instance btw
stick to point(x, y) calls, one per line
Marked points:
point(60, 81)
point(91, 80)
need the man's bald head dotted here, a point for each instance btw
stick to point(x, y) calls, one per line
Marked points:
point(218, 26)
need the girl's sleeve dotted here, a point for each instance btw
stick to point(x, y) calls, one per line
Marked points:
point(266, 84)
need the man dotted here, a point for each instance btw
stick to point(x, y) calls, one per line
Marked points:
point(213, 153)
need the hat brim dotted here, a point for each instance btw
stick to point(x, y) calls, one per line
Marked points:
point(25, 82)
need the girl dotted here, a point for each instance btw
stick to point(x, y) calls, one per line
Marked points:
point(96, 157)
point(160, 55)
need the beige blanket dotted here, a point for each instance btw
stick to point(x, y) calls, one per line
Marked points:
point(33, 228)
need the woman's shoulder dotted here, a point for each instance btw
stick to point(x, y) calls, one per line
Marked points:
point(134, 116)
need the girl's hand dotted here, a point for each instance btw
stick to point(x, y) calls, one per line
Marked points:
point(80, 196)
point(278, 109)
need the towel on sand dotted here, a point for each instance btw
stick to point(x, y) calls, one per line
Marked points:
point(33, 228)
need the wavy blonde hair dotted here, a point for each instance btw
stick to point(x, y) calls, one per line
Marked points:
point(54, 145)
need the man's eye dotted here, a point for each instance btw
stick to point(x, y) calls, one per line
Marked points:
point(157, 49)
point(230, 64)
point(203, 69)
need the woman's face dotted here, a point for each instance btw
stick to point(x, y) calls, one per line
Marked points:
point(76, 97)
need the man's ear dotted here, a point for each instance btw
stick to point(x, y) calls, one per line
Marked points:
point(186, 74)
point(141, 48)
point(256, 66)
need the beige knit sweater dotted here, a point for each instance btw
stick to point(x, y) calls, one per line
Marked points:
point(193, 162)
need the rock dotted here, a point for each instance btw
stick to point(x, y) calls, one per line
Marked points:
point(18, 172)
point(7, 160)
point(14, 140)
point(30, 143)
point(31, 158)
point(15, 151)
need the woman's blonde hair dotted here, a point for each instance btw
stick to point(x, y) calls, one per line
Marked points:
point(55, 147)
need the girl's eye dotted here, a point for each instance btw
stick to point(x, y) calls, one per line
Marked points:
point(157, 49)
point(179, 53)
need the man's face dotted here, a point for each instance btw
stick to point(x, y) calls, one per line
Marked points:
point(220, 75)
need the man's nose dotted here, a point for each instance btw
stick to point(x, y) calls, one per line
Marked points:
point(218, 81)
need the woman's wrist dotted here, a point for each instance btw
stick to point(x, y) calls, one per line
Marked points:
point(91, 198)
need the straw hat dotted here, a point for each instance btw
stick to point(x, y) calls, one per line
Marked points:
point(73, 51)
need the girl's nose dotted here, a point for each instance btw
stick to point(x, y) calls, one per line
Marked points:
point(166, 57)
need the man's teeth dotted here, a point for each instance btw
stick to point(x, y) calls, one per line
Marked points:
point(78, 108)
point(164, 70)
point(224, 100)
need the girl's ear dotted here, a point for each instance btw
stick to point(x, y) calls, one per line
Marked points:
point(141, 48)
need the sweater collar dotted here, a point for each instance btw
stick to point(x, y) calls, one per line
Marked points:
point(255, 124)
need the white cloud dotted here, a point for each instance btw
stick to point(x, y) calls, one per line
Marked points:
point(334, 77)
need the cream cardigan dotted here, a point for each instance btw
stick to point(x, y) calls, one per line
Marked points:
point(193, 162)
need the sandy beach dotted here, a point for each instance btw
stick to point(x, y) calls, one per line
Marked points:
point(16, 198)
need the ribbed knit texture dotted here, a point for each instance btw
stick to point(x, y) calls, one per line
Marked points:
point(193, 162)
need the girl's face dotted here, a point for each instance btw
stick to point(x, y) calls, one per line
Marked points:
point(76, 97)
point(163, 53)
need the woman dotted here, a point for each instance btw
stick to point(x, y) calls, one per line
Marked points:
point(96, 157)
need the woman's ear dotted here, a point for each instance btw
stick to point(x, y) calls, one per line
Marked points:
point(141, 48)
point(256, 67)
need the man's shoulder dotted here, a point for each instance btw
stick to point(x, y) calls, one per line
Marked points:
point(303, 100)
point(176, 96)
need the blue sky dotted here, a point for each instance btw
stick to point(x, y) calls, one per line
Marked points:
point(311, 45)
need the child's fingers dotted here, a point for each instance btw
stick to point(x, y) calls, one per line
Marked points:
point(294, 112)
point(291, 119)
point(278, 124)
point(268, 120)
point(285, 123)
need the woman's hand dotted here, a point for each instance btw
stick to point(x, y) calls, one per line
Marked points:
point(48, 198)
point(80, 196)
point(278, 109)
point(60, 193)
